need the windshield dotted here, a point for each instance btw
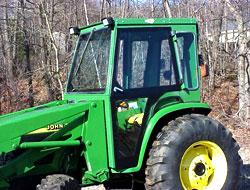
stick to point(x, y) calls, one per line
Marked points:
point(90, 65)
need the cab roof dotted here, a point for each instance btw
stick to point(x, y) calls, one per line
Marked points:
point(147, 21)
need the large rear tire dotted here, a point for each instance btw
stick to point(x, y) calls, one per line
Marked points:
point(58, 182)
point(193, 152)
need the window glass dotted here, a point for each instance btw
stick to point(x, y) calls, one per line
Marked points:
point(145, 58)
point(187, 53)
point(167, 76)
point(139, 58)
point(119, 76)
point(90, 66)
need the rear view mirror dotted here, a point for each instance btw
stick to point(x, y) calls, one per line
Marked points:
point(204, 67)
point(204, 70)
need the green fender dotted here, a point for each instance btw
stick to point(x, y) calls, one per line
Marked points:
point(152, 123)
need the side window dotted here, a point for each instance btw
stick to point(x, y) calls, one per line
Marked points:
point(144, 58)
point(136, 71)
point(120, 58)
point(187, 53)
point(167, 74)
point(139, 58)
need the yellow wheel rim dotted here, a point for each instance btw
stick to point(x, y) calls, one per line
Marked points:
point(203, 167)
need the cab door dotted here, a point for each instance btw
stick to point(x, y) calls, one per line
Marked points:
point(144, 70)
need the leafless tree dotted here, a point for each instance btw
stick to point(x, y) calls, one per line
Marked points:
point(243, 61)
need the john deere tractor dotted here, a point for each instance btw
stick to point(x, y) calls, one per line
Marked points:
point(131, 112)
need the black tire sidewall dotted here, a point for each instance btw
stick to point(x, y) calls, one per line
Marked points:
point(191, 129)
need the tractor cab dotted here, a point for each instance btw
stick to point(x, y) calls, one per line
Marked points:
point(141, 68)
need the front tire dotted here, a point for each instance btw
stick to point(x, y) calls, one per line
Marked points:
point(193, 152)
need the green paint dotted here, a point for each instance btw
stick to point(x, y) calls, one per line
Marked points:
point(89, 118)
point(49, 144)
point(153, 121)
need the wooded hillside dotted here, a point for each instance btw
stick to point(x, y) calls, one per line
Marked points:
point(36, 48)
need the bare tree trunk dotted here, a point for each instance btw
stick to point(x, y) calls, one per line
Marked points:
point(108, 2)
point(102, 8)
point(226, 41)
point(14, 40)
point(27, 55)
point(47, 76)
point(247, 87)
point(7, 47)
point(57, 70)
point(243, 66)
point(152, 9)
point(167, 8)
point(217, 27)
point(76, 12)
point(86, 12)
point(125, 9)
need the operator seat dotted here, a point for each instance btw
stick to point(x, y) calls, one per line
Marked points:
point(136, 119)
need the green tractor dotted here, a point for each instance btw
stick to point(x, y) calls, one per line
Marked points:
point(131, 114)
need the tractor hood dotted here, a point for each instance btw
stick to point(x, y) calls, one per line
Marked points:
point(46, 118)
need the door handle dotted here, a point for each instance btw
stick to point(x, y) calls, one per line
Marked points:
point(116, 89)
